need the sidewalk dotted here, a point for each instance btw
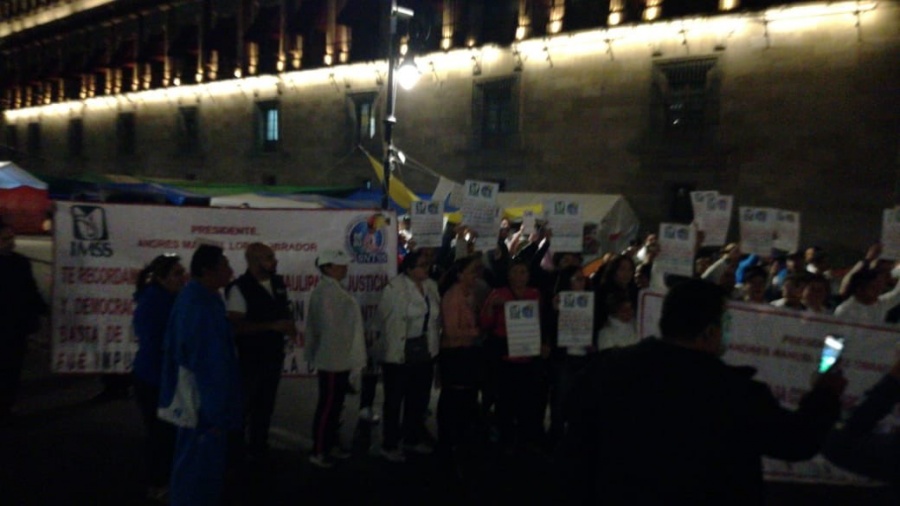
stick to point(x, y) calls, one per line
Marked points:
point(68, 450)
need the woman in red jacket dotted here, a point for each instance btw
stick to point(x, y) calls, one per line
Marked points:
point(519, 380)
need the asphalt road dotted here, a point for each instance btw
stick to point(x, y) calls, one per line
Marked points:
point(66, 449)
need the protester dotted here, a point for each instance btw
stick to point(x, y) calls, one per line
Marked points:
point(667, 422)
point(619, 329)
point(617, 277)
point(792, 289)
point(565, 362)
point(858, 446)
point(409, 315)
point(157, 286)
point(335, 346)
point(754, 285)
point(21, 305)
point(260, 312)
point(816, 294)
point(868, 302)
point(201, 382)
point(519, 380)
point(461, 360)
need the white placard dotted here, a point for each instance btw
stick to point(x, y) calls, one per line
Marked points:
point(676, 249)
point(443, 189)
point(457, 195)
point(699, 202)
point(717, 220)
point(528, 222)
point(890, 234)
point(787, 230)
point(576, 319)
point(784, 346)
point(565, 219)
point(523, 328)
point(427, 223)
point(99, 249)
point(480, 211)
point(757, 230)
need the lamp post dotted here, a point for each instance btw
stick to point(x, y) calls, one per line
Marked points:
point(389, 119)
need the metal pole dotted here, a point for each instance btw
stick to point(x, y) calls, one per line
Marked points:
point(389, 118)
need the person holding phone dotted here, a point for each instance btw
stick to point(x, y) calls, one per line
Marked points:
point(857, 446)
point(666, 421)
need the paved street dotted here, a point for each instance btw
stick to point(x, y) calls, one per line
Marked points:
point(66, 449)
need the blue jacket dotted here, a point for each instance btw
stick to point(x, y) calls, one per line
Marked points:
point(201, 386)
point(154, 304)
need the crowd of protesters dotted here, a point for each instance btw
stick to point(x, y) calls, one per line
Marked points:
point(441, 323)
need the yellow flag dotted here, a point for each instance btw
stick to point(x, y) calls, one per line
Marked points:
point(399, 192)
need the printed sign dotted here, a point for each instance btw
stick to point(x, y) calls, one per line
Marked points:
point(576, 319)
point(787, 230)
point(523, 328)
point(99, 250)
point(480, 211)
point(427, 223)
point(757, 230)
point(565, 219)
point(890, 234)
point(676, 249)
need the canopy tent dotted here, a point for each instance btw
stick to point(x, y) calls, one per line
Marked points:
point(258, 201)
point(24, 200)
point(610, 222)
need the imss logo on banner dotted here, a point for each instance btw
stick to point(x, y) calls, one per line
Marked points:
point(91, 232)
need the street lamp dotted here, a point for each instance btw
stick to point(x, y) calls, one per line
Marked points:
point(390, 120)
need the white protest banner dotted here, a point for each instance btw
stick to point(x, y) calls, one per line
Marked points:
point(426, 221)
point(576, 319)
point(787, 230)
point(717, 220)
point(757, 230)
point(565, 219)
point(523, 328)
point(480, 211)
point(699, 202)
point(890, 234)
point(100, 248)
point(676, 249)
point(784, 346)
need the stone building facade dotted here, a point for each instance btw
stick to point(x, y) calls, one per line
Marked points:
point(792, 106)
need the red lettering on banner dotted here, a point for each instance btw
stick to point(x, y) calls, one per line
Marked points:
point(809, 342)
point(750, 349)
point(107, 275)
point(103, 306)
point(367, 283)
point(865, 365)
point(78, 334)
point(68, 362)
point(294, 246)
point(300, 282)
point(796, 356)
point(222, 230)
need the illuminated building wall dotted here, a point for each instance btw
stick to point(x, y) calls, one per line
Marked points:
point(792, 107)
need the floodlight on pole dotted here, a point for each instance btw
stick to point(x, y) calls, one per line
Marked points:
point(397, 12)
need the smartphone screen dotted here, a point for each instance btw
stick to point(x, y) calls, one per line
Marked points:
point(831, 352)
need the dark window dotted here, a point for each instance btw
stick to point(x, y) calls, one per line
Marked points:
point(188, 130)
point(585, 14)
point(364, 119)
point(268, 120)
point(687, 97)
point(12, 140)
point(496, 113)
point(76, 137)
point(34, 138)
point(125, 134)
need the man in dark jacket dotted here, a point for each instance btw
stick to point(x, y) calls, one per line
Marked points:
point(259, 309)
point(20, 308)
point(667, 422)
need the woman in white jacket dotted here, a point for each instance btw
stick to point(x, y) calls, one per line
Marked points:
point(335, 345)
point(408, 313)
